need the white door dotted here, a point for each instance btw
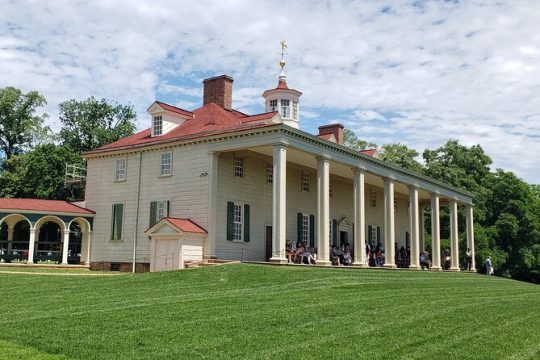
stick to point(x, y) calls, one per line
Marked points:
point(167, 255)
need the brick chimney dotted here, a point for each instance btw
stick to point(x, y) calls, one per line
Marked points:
point(219, 90)
point(332, 129)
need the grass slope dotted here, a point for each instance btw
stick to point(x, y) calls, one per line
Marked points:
point(253, 311)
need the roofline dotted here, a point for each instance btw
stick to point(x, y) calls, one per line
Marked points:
point(210, 136)
point(47, 212)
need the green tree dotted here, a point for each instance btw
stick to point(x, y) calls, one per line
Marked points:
point(351, 140)
point(91, 123)
point(39, 173)
point(402, 156)
point(19, 125)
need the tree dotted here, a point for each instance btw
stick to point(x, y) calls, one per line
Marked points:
point(400, 155)
point(351, 140)
point(39, 173)
point(19, 125)
point(91, 123)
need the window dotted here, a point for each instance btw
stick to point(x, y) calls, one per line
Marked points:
point(305, 228)
point(237, 221)
point(273, 105)
point(305, 181)
point(121, 169)
point(269, 174)
point(285, 108)
point(373, 198)
point(166, 164)
point(117, 219)
point(157, 125)
point(295, 110)
point(239, 166)
point(158, 211)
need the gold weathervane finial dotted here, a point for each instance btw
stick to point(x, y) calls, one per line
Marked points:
point(283, 48)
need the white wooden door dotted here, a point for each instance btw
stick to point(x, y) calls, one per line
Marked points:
point(167, 255)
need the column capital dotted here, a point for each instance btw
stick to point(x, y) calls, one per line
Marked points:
point(280, 145)
point(359, 168)
point(389, 178)
point(323, 158)
point(413, 187)
point(215, 153)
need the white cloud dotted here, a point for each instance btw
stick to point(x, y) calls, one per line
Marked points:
point(414, 72)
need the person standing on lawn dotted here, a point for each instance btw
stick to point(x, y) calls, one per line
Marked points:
point(489, 267)
point(468, 259)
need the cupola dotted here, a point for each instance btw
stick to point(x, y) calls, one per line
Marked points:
point(282, 99)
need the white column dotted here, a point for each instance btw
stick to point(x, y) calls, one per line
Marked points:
point(414, 227)
point(422, 230)
point(31, 246)
point(323, 210)
point(359, 218)
point(435, 233)
point(470, 233)
point(210, 248)
point(10, 233)
point(65, 247)
point(389, 226)
point(279, 219)
point(89, 247)
point(454, 235)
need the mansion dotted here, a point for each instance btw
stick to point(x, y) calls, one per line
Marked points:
point(216, 183)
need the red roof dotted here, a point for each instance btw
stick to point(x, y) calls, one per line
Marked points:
point(369, 152)
point(211, 119)
point(174, 109)
point(46, 206)
point(186, 225)
point(329, 137)
point(282, 84)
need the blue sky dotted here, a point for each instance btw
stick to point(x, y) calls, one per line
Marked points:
point(416, 72)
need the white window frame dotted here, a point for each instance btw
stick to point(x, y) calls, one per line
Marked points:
point(239, 167)
point(305, 228)
point(373, 198)
point(161, 207)
point(165, 166)
point(295, 110)
point(269, 174)
point(238, 222)
point(157, 125)
point(305, 180)
point(285, 108)
point(121, 169)
point(273, 105)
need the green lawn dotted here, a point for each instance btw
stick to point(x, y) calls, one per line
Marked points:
point(254, 311)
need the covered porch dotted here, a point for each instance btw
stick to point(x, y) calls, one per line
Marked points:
point(44, 232)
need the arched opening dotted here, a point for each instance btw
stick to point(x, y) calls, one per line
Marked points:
point(17, 249)
point(49, 244)
point(75, 243)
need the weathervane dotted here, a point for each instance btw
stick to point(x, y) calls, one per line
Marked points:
point(283, 48)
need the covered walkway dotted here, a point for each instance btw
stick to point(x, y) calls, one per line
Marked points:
point(44, 231)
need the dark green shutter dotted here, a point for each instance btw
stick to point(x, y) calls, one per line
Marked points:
point(312, 230)
point(230, 220)
point(379, 235)
point(246, 223)
point(153, 212)
point(117, 217)
point(167, 204)
point(334, 231)
point(300, 224)
point(370, 235)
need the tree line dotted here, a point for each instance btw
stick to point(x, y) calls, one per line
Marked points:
point(507, 209)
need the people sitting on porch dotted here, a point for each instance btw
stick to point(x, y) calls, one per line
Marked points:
point(447, 259)
point(425, 263)
point(307, 256)
point(335, 255)
point(347, 257)
point(297, 254)
point(379, 256)
point(289, 251)
point(368, 254)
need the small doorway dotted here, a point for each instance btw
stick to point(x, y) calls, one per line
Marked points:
point(268, 242)
point(343, 238)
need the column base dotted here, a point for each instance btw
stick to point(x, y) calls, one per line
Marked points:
point(64, 263)
point(323, 263)
point(415, 267)
point(361, 265)
point(436, 268)
point(390, 266)
point(278, 261)
point(454, 269)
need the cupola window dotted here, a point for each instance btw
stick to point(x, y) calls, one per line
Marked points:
point(295, 110)
point(273, 105)
point(285, 108)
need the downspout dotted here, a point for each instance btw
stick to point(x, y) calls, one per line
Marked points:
point(139, 155)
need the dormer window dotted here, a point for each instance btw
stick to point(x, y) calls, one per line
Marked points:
point(273, 105)
point(285, 108)
point(157, 125)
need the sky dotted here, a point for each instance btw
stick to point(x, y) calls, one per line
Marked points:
point(415, 72)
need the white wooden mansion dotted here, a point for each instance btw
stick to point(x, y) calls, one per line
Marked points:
point(217, 183)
